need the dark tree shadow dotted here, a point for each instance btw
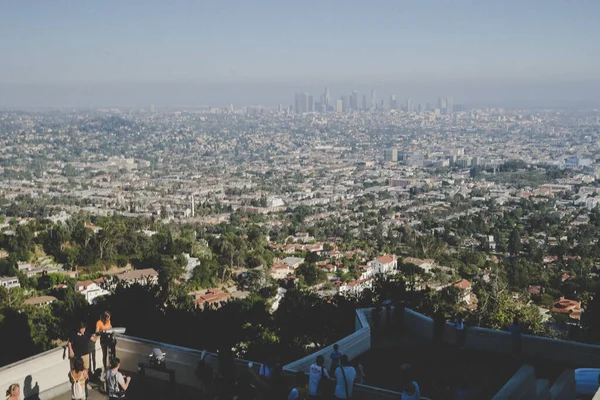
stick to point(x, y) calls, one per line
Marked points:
point(16, 343)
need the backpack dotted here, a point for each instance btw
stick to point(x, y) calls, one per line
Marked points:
point(78, 386)
point(114, 389)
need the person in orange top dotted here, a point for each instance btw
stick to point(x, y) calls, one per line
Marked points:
point(102, 325)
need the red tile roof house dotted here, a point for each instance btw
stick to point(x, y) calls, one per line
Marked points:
point(330, 268)
point(384, 265)
point(279, 270)
point(209, 296)
point(466, 288)
point(570, 307)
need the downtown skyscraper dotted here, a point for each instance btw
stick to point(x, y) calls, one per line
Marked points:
point(373, 105)
point(354, 105)
point(393, 102)
point(302, 103)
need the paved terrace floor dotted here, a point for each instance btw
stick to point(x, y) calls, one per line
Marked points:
point(438, 368)
point(148, 389)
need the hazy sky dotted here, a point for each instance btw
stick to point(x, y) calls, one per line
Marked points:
point(417, 45)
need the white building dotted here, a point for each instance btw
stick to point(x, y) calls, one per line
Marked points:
point(384, 265)
point(303, 237)
point(275, 202)
point(278, 297)
point(32, 270)
point(280, 271)
point(293, 262)
point(353, 287)
point(366, 271)
point(90, 290)
point(9, 282)
point(192, 262)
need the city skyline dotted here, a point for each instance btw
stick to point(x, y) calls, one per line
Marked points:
point(511, 96)
point(357, 101)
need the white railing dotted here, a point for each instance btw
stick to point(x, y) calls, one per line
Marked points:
point(418, 325)
point(564, 387)
point(132, 351)
point(45, 375)
point(353, 345)
point(496, 341)
point(521, 386)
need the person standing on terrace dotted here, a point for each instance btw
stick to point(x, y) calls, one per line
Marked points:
point(79, 345)
point(318, 378)
point(300, 389)
point(117, 384)
point(335, 359)
point(13, 392)
point(103, 324)
point(411, 391)
point(399, 315)
point(266, 369)
point(345, 375)
point(376, 316)
point(360, 371)
point(516, 334)
point(78, 377)
point(439, 322)
point(274, 389)
point(459, 325)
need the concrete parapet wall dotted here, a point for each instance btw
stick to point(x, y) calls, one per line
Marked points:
point(353, 345)
point(522, 385)
point(574, 353)
point(496, 341)
point(132, 351)
point(418, 325)
point(44, 375)
point(564, 387)
point(542, 389)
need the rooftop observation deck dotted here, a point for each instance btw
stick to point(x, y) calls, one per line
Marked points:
point(545, 370)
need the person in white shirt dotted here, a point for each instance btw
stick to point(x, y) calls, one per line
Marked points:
point(266, 369)
point(316, 373)
point(410, 388)
point(298, 392)
point(345, 375)
point(411, 391)
point(459, 325)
